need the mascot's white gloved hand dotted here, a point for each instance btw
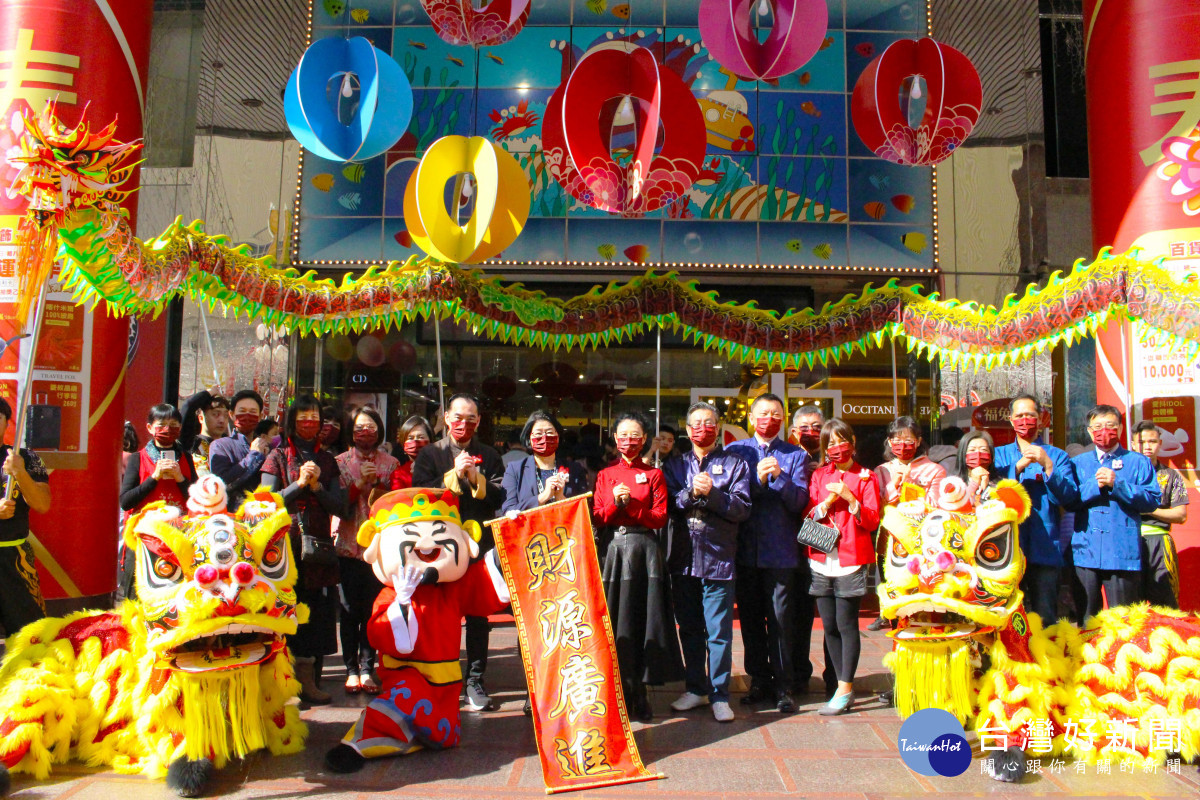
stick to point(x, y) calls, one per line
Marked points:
point(406, 583)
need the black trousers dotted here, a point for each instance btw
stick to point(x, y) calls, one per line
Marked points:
point(843, 641)
point(358, 589)
point(1121, 588)
point(478, 631)
point(765, 597)
point(20, 593)
point(804, 613)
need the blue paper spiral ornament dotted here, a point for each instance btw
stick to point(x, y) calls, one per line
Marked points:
point(384, 108)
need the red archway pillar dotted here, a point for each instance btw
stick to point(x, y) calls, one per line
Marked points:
point(1143, 87)
point(91, 53)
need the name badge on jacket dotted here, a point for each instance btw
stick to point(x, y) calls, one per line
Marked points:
point(640, 478)
point(717, 469)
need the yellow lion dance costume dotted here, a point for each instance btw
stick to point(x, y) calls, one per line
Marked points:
point(1127, 686)
point(192, 673)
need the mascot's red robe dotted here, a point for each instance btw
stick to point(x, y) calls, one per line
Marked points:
point(420, 673)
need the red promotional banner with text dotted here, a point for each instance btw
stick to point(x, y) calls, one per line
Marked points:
point(582, 729)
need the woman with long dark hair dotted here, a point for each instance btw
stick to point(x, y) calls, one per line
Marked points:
point(630, 507)
point(414, 436)
point(976, 465)
point(308, 478)
point(844, 494)
point(366, 474)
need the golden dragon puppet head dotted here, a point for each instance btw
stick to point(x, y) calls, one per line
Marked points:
point(214, 589)
point(63, 170)
point(951, 581)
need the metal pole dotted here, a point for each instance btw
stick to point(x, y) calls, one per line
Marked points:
point(35, 327)
point(437, 339)
point(213, 356)
point(895, 394)
point(658, 384)
point(174, 347)
point(1121, 325)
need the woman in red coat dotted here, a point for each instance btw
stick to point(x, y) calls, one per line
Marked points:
point(844, 494)
point(414, 435)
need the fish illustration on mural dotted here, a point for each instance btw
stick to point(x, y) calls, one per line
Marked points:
point(875, 209)
point(621, 11)
point(417, 45)
point(495, 58)
point(404, 238)
point(810, 108)
point(795, 245)
point(350, 201)
point(638, 253)
point(914, 241)
point(458, 62)
point(607, 251)
point(354, 172)
point(904, 203)
point(880, 181)
point(360, 15)
point(823, 251)
point(865, 49)
point(334, 8)
point(322, 182)
point(597, 7)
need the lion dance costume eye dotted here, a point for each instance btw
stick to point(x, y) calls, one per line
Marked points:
point(964, 643)
point(191, 674)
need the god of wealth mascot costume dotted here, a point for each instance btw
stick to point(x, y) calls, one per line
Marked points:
point(191, 674)
point(423, 552)
point(1125, 687)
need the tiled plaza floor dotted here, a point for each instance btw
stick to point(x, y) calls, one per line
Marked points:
point(760, 754)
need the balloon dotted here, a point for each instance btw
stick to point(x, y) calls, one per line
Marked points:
point(384, 104)
point(578, 121)
point(798, 31)
point(501, 200)
point(339, 347)
point(402, 356)
point(954, 97)
point(460, 22)
point(370, 351)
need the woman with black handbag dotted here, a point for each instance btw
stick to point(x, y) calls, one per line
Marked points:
point(843, 495)
point(309, 480)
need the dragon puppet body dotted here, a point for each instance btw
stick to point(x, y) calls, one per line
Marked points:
point(1127, 686)
point(192, 673)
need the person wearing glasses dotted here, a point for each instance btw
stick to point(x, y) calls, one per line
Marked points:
point(1049, 477)
point(1116, 486)
point(768, 554)
point(474, 472)
point(631, 506)
point(806, 432)
point(710, 498)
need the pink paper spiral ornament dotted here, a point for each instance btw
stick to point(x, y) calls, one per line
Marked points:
point(796, 35)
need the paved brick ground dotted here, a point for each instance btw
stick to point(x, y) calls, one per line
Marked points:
point(761, 754)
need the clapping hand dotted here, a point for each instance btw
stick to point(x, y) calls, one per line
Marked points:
point(465, 467)
point(838, 489)
point(1105, 478)
point(702, 484)
point(621, 494)
point(768, 468)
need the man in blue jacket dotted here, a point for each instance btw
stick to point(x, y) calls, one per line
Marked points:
point(767, 553)
point(1049, 476)
point(710, 494)
point(1116, 486)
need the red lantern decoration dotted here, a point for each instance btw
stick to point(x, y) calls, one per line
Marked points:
point(578, 150)
point(796, 36)
point(889, 85)
point(460, 22)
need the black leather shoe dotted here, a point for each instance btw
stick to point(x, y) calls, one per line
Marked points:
point(888, 698)
point(757, 694)
point(879, 624)
point(785, 704)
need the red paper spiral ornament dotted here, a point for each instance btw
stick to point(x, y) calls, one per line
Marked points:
point(580, 115)
point(953, 97)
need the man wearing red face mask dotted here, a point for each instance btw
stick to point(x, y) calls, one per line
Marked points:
point(1116, 486)
point(1049, 477)
point(710, 498)
point(163, 470)
point(237, 459)
point(768, 554)
point(474, 472)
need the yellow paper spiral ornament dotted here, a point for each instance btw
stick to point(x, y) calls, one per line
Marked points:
point(501, 200)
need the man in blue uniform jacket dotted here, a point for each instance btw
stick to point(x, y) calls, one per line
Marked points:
point(1116, 486)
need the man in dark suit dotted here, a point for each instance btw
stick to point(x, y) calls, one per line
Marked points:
point(474, 472)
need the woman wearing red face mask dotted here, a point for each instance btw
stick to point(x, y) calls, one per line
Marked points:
point(415, 434)
point(308, 478)
point(630, 506)
point(844, 494)
point(908, 472)
point(546, 476)
point(366, 473)
point(162, 470)
point(976, 465)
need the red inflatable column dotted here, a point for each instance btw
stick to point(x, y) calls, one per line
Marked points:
point(91, 53)
point(1143, 97)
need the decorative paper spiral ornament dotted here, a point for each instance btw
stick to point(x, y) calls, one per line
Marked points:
point(728, 33)
point(577, 148)
point(460, 22)
point(501, 200)
point(385, 99)
point(879, 106)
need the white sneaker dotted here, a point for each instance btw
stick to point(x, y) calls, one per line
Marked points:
point(722, 712)
point(687, 701)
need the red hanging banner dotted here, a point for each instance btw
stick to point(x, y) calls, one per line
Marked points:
point(582, 730)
